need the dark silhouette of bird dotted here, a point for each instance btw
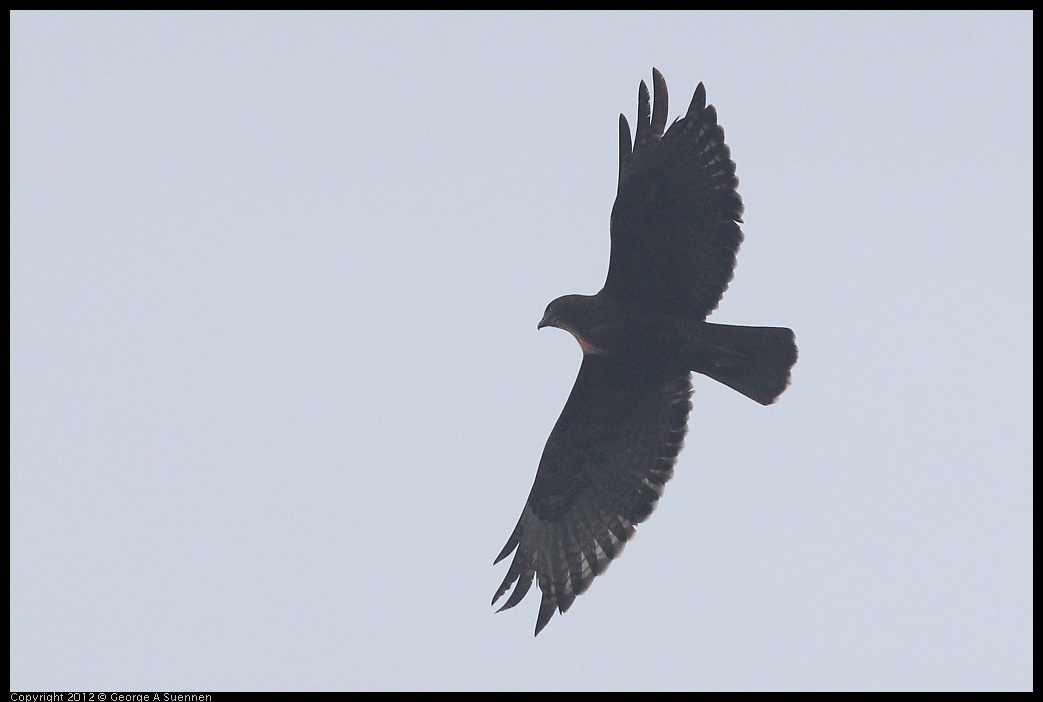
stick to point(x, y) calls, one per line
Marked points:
point(675, 234)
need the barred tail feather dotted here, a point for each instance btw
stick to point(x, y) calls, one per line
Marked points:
point(756, 361)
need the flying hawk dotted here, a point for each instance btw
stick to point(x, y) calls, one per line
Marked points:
point(675, 233)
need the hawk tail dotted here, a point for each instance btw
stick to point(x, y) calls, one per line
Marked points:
point(756, 361)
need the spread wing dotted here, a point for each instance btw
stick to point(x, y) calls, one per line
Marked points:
point(675, 230)
point(602, 471)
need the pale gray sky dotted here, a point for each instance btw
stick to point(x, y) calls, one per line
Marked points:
point(278, 396)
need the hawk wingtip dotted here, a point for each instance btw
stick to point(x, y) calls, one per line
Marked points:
point(698, 100)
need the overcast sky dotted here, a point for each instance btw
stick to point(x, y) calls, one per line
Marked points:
point(278, 396)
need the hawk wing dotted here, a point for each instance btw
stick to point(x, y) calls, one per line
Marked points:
point(603, 470)
point(675, 230)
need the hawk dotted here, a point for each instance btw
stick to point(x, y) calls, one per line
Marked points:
point(675, 234)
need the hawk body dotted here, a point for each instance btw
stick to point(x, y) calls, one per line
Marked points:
point(675, 235)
